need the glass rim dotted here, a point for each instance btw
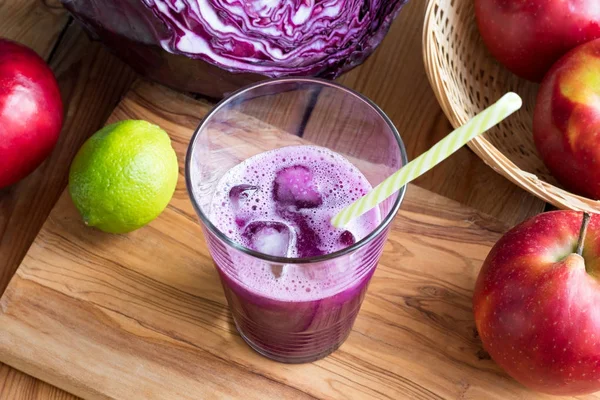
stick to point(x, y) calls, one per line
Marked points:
point(293, 260)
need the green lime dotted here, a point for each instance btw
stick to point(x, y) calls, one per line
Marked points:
point(123, 176)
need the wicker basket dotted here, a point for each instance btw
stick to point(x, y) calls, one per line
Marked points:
point(466, 79)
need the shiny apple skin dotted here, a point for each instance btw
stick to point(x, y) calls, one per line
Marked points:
point(566, 121)
point(529, 36)
point(537, 305)
point(31, 111)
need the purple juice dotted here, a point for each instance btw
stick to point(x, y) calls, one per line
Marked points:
point(280, 203)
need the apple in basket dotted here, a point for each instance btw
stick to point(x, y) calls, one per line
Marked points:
point(537, 303)
point(528, 36)
point(566, 123)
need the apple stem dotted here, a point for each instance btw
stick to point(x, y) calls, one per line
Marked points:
point(584, 224)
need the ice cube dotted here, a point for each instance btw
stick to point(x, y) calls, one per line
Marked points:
point(295, 186)
point(240, 194)
point(268, 237)
point(347, 239)
point(240, 222)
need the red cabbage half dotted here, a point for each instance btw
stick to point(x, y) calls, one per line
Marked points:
point(254, 38)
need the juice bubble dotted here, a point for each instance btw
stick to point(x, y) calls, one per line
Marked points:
point(269, 237)
point(295, 186)
point(347, 239)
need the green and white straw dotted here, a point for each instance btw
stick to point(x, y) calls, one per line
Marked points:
point(508, 104)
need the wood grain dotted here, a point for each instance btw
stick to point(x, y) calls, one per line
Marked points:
point(23, 21)
point(15, 385)
point(400, 87)
point(37, 24)
point(91, 82)
point(288, 113)
point(107, 316)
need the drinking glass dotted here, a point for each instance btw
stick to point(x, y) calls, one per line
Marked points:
point(266, 116)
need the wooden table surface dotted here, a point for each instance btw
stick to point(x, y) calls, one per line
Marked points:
point(92, 81)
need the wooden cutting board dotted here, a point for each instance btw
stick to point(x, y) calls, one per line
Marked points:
point(143, 316)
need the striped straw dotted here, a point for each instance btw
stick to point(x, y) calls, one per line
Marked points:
point(508, 104)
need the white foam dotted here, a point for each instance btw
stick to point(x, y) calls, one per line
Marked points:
point(339, 183)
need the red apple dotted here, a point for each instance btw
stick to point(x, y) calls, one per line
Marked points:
point(566, 121)
point(528, 36)
point(537, 304)
point(31, 111)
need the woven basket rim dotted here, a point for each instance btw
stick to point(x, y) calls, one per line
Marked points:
point(481, 146)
